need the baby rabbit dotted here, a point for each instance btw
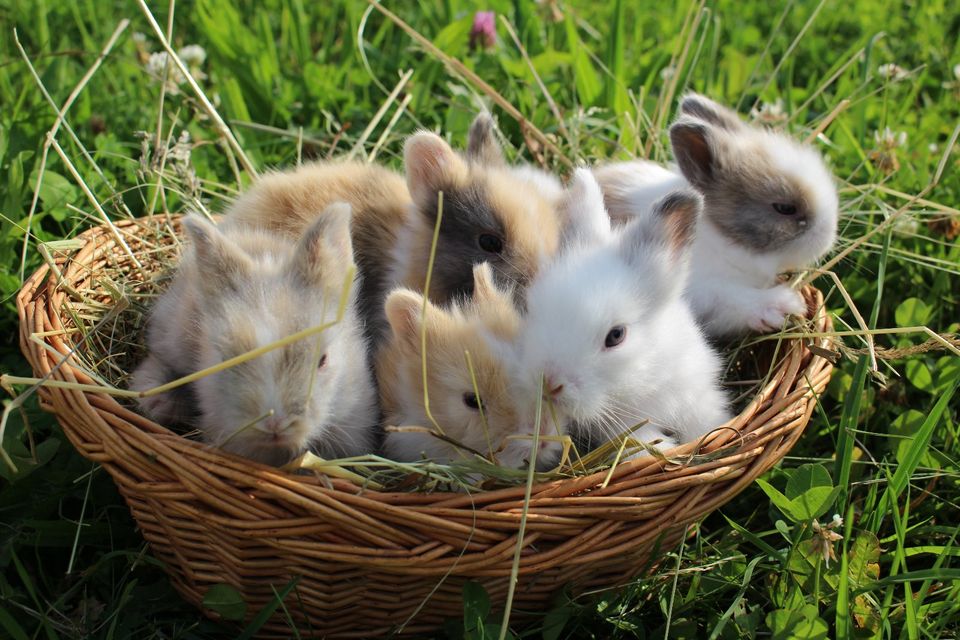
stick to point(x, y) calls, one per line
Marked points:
point(492, 423)
point(770, 206)
point(505, 216)
point(608, 329)
point(238, 289)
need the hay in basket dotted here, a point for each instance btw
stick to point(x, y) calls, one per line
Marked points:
point(369, 561)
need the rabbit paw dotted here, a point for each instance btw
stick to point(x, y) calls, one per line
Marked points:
point(778, 303)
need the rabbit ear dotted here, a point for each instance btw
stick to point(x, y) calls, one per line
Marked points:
point(404, 311)
point(696, 146)
point(431, 166)
point(221, 263)
point(658, 245)
point(324, 252)
point(586, 216)
point(697, 106)
point(484, 287)
point(482, 144)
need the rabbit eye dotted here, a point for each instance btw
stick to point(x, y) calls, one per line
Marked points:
point(615, 336)
point(784, 208)
point(323, 361)
point(490, 243)
point(471, 400)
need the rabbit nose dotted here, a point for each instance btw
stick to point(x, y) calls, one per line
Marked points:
point(275, 423)
point(552, 388)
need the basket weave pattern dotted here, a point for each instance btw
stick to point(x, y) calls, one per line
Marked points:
point(368, 561)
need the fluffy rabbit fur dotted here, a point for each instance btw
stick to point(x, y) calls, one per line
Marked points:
point(494, 213)
point(608, 329)
point(288, 201)
point(485, 326)
point(770, 207)
point(238, 289)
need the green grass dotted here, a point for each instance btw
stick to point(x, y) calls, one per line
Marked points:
point(299, 79)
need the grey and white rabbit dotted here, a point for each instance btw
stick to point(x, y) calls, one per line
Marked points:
point(609, 330)
point(239, 288)
point(770, 207)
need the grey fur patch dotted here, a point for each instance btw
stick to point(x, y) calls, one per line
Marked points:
point(467, 214)
point(740, 199)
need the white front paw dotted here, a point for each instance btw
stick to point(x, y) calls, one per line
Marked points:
point(777, 303)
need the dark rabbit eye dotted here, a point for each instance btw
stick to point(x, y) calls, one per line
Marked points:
point(490, 243)
point(471, 400)
point(615, 336)
point(784, 209)
point(323, 361)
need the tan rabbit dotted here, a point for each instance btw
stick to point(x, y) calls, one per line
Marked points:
point(497, 422)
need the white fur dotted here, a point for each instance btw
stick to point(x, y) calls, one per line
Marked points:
point(664, 371)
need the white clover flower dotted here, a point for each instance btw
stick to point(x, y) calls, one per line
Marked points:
point(139, 38)
point(668, 72)
point(769, 113)
point(933, 147)
point(889, 140)
point(155, 66)
point(192, 55)
point(825, 536)
point(892, 72)
point(956, 72)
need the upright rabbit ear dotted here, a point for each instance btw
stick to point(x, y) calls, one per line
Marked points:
point(697, 106)
point(696, 147)
point(482, 144)
point(586, 217)
point(484, 287)
point(324, 253)
point(404, 311)
point(431, 166)
point(221, 263)
point(659, 245)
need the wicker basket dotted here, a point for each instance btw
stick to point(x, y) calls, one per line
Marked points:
point(370, 562)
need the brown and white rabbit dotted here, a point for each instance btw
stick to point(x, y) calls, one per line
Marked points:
point(495, 213)
point(238, 289)
point(497, 422)
point(770, 206)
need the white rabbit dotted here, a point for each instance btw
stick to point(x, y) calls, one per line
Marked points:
point(239, 288)
point(609, 330)
point(770, 206)
point(496, 422)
